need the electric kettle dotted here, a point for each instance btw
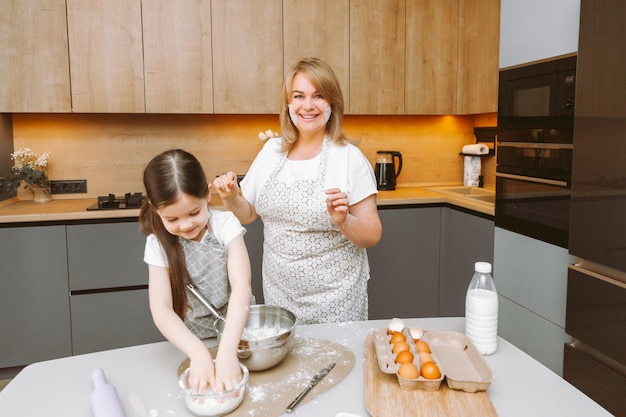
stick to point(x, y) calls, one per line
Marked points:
point(385, 169)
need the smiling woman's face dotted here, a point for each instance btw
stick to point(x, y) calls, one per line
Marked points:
point(308, 109)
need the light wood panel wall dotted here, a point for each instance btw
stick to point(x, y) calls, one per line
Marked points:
point(111, 151)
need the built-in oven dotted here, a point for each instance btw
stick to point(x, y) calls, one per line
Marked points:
point(533, 207)
point(535, 148)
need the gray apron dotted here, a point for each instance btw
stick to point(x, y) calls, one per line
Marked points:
point(309, 266)
point(206, 263)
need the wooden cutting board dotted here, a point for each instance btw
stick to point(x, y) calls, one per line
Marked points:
point(385, 398)
point(270, 392)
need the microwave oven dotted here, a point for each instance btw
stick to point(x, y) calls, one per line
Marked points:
point(536, 102)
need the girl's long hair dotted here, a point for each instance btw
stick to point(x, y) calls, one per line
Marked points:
point(326, 83)
point(166, 177)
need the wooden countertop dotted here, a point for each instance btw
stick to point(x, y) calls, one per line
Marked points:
point(24, 211)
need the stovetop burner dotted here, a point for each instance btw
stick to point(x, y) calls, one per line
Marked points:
point(111, 202)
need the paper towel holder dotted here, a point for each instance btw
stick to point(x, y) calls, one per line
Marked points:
point(487, 136)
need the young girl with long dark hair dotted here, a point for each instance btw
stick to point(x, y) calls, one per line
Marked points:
point(190, 243)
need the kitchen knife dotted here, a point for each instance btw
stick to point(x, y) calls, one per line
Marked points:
point(314, 381)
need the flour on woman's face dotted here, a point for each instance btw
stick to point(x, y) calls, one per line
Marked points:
point(294, 116)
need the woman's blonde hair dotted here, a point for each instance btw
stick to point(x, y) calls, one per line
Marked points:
point(326, 83)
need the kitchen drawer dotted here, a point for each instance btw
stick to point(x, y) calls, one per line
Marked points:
point(111, 320)
point(596, 314)
point(601, 383)
point(107, 255)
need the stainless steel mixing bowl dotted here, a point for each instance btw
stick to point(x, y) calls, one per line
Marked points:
point(273, 328)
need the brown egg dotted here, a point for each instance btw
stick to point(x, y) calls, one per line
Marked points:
point(408, 371)
point(404, 356)
point(430, 371)
point(397, 337)
point(399, 347)
point(422, 346)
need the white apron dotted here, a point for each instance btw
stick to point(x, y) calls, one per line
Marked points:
point(309, 266)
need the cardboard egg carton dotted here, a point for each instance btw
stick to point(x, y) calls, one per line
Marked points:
point(459, 361)
point(466, 369)
point(387, 362)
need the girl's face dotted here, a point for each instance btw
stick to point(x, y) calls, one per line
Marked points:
point(308, 109)
point(187, 217)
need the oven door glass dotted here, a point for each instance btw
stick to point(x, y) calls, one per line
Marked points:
point(543, 160)
point(534, 207)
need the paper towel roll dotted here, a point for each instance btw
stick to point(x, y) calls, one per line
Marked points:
point(471, 172)
point(475, 149)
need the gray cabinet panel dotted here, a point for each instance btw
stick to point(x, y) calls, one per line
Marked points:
point(34, 303)
point(540, 338)
point(106, 255)
point(254, 245)
point(466, 239)
point(405, 264)
point(532, 273)
point(111, 320)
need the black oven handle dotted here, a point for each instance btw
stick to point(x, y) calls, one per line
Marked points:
point(533, 145)
point(532, 179)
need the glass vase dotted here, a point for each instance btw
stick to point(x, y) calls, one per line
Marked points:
point(41, 195)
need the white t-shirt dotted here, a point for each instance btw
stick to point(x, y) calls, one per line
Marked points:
point(224, 224)
point(347, 169)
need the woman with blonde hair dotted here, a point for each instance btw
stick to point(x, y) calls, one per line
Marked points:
point(316, 195)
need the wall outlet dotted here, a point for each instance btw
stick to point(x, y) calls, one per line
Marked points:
point(68, 187)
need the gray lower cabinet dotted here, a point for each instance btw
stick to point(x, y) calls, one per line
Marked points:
point(254, 245)
point(466, 239)
point(108, 287)
point(404, 266)
point(425, 260)
point(34, 303)
point(72, 289)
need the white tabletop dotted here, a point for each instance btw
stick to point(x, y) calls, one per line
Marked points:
point(61, 387)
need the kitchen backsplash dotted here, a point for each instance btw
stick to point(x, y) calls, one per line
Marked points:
point(110, 151)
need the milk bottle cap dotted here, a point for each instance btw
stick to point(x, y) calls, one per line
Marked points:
point(483, 267)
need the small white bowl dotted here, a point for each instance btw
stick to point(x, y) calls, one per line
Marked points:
point(211, 404)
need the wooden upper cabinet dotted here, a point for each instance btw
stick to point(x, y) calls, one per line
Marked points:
point(479, 46)
point(247, 55)
point(106, 56)
point(34, 69)
point(431, 56)
point(177, 56)
point(377, 52)
point(319, 29)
